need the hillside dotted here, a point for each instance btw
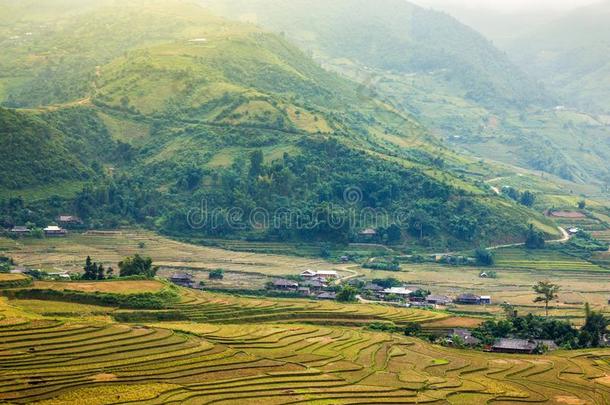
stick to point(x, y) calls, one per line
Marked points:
point(397, 36)
point(43, 149)
point(448, 76)
point(571, 56)
point(204, 111)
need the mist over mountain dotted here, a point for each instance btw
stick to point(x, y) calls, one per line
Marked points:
point(393, 35)
point(570, 55)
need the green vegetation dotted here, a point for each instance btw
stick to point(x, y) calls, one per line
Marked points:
point(211, 123)
point(137, 266)
point(532, 327)
point(546, 292)
point(147, 300)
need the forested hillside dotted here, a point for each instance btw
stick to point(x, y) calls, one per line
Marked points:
point(42, 149)
point(161, 108)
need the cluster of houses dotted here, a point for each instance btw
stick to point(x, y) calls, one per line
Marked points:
point(415, 300)
point(316, 284)
point(51, 231)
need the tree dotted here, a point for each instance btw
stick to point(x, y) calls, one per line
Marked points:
point(509, 310)
point(101, 272)
point(484, 257)
point(528, 199)
point(546, 292)
point(421, 223)
point(582, 204)
point(90, 269)
point(412, 329)
point(394, 233)
point(256, 162)
point(347, 294)
point(217, 274)
point(596, 326)
point(137, 266)
point(533, 238)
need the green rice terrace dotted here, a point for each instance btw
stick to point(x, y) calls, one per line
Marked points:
point(221, 359)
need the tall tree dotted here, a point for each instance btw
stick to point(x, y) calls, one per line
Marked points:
point(90, 269)
point(596, 326)
point(533, 238)
point(101, 272)
point(546, 292)
point(256, 162)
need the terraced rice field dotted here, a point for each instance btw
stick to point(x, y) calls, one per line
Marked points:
point(51, 362)
point(543, 260)
point(217, 308)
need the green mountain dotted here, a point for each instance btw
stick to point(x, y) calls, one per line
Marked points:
point(445, 74)
point(184, 109)
point(570, 55)
point(394, 35)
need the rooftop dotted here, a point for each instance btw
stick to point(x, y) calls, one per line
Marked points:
point(284, 283)
point(182, 277)
point(398, 291)
point(523, 344)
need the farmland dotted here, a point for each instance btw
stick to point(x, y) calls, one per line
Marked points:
point(220, 348)
point(249, 269)
point(109, 248)
point(55, 362)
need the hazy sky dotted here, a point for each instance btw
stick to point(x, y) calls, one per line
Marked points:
point(511, 6)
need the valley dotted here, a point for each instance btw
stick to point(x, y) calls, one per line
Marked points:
point(302, 202)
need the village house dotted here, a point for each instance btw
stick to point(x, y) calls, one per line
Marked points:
point(60, 276)
point(304, 291)
point(469, 299)
point(69, 220)
point(573, 231)
point(464, 335)
point(284, 285)
point(327, 296)
point(54, 231)
point(309, 274)
point(314, 285)
point(20, 231)
point(321, 274)
point(485, 300)
point(328, 274)
point(438, 300)
point(522, 346)
point(400, 292)
point(19, 270)
point(368, 233)
point(183, 280)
